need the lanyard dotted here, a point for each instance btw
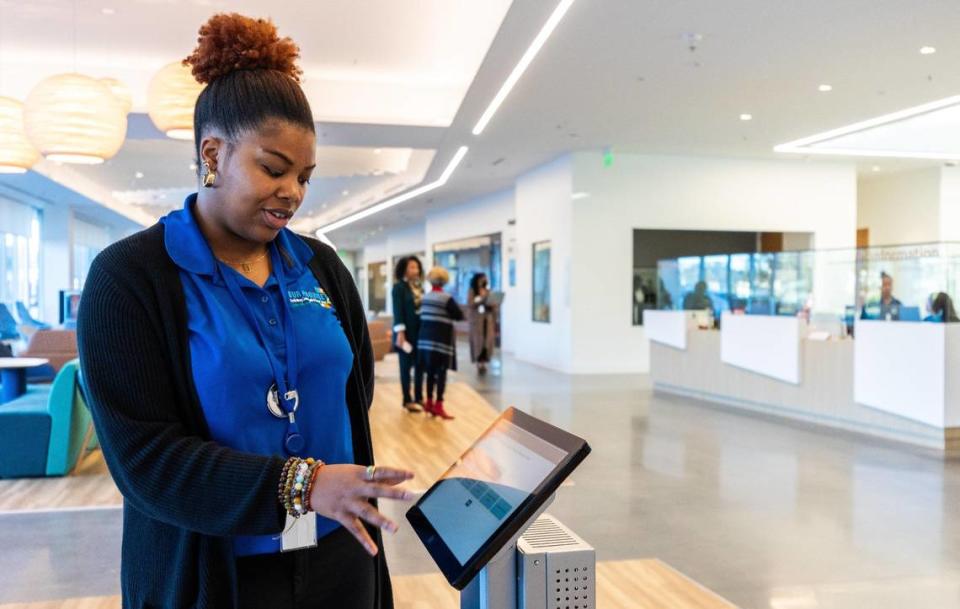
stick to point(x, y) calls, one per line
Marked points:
point(282, 398)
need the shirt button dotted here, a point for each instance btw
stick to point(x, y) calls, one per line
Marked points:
point(264, 299)
point(272, 322)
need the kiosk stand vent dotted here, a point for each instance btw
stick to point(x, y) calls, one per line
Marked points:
point(555, 568)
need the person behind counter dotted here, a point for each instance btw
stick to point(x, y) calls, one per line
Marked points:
point(889, 307)
point(941, 309)
point(698, 300)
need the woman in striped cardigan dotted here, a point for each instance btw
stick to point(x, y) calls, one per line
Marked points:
point(437, 343)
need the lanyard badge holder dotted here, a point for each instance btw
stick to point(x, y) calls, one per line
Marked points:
point(282, 398)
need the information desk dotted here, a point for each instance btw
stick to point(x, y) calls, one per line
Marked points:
point(894, 384)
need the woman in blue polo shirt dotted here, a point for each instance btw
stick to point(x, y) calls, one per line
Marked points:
point(229, 368)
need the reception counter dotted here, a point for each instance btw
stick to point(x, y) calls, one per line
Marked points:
point(891, 382)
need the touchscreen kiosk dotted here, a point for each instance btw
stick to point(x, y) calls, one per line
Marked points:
point(492, 492)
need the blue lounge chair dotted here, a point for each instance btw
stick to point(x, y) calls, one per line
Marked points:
point(27, 320)
point(45, 431)
point(8, 324)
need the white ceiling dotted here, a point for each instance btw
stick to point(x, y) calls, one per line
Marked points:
point(621, 74)
point(616, 73)
point(373, 61)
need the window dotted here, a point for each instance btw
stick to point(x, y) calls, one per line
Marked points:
point(465, 258)
point(377, 287)
point(20, 256)
point(541, 281)
point(88, 241)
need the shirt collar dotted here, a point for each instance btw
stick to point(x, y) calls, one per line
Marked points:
point(188, 248)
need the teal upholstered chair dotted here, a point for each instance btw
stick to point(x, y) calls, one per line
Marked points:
point(45, 431)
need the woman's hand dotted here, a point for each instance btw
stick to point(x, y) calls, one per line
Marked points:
point(401, 339)
point(342, 493)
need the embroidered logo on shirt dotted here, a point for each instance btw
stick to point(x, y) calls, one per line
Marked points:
point(305, 297)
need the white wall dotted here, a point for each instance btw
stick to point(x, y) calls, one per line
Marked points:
point(949, 204)
point(484, 215)
point(900, 208)
point(665, 192)
point(544, 212)
point(591, 327)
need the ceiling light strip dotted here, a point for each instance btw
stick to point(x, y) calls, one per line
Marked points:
point(522, 65)
point(885, 154)
point(402, 198)
point(802, 144)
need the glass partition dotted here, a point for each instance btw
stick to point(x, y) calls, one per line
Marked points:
point(897, 283)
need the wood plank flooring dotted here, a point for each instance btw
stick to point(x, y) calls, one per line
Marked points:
point(629, 584)
point(425, 445)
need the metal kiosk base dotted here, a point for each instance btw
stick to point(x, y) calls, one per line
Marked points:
point(544, 566)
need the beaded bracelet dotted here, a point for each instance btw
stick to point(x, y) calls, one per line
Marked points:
point(311, 478)
point(296, 480)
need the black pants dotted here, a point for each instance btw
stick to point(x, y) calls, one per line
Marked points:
point(409, 361)
point(337, 574)
point(436, 375)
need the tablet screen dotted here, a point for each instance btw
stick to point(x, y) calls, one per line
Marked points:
point(474, 498)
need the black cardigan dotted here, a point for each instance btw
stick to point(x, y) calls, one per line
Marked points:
point(405, 312)
point(185, 496)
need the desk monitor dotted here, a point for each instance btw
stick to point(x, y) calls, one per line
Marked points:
point(498, 484)
point(909, 313)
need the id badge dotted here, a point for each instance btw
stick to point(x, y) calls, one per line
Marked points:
point(300, 532)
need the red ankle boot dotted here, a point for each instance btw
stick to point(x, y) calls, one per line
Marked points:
point(428, 407)
point(438, 411)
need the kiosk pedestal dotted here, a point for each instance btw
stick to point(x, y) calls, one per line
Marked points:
point(546, 566)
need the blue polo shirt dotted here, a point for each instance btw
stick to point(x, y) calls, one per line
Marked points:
point(231, 370)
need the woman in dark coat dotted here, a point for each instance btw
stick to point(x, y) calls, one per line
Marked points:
point(407, 297)
point(483, 322)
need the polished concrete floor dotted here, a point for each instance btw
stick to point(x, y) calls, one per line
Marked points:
point(767, 514)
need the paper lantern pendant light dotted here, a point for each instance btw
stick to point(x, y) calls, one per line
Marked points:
point(17, 154)
point(72, 118)
point(171, 98)
point(121, 92)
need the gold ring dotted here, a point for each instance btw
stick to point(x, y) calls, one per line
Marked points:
point(371, 472)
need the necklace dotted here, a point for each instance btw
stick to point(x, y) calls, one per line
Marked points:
point(245, 266)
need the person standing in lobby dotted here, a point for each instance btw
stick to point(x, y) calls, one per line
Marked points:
point(229, 370)
point(482, 317)
point(438, 339)
point(407, 297)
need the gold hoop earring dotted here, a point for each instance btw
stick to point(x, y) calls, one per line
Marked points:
point(209, 176)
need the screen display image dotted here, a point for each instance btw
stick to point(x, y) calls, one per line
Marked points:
point(492, 491)
point(484, 488)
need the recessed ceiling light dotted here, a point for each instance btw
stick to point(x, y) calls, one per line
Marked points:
point(138, 175)
point(746, 117)
point(345, 192)
point(377, 150)
point(523, 64)
point(875, 168)
point(825, 88)
point(579, 195)
point(927, 50)
point(193, 166)
point(108, 11)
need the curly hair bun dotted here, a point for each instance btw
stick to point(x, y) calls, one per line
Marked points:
point(230, 42)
